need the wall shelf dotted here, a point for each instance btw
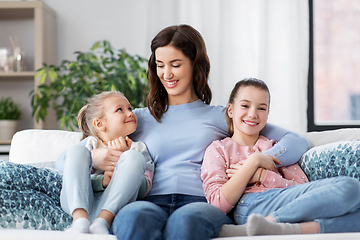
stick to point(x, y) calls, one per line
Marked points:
point(25, 74)
point(35, 24)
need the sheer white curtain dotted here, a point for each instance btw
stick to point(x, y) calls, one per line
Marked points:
point(267, 39)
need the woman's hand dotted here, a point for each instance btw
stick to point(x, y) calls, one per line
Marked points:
point(107, 178)
point(120, 144)
point(264, 160)
point(105, 159)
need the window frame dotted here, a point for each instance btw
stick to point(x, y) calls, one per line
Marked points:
point(311, 109)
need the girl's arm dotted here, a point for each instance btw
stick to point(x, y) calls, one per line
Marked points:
point(221, 191)
point(213, 174)
point(290, 146)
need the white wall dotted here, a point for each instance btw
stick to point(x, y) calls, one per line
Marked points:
point(237, 53)
point(80, 23)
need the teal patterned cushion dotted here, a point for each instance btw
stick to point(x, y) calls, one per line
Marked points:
point(30, 198)
point(331, 160)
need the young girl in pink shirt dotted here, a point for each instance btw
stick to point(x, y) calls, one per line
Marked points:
point(237, 176)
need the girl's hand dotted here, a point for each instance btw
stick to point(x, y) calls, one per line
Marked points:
point(265, 161)
point(120, 144)
point(256, 177)
point(105, 159)
point(233, 169)
point(107, 178)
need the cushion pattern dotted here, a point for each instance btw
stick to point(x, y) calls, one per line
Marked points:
point(30, 198)
point(330, 160)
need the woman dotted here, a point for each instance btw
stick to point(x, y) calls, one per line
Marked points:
point(177, 126)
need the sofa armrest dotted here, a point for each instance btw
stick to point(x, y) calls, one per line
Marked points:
point(41, 147)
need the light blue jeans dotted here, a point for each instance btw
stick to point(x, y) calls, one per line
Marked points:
point(333, 203)
point(173, 216)
point(77, 190)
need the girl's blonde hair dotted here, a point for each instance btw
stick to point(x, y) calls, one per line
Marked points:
point(93, 110)
point(253, 82)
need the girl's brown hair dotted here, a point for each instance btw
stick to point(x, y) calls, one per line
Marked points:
point(93, 110)
point(190, 42)
point(247, 82)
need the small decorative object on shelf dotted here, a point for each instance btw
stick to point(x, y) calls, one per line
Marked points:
point(6, 60)
point(18, 61)
point(9, 117)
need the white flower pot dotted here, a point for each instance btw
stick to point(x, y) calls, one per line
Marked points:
point(8, 129)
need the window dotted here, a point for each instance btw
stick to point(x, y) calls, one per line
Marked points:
point(334, 71)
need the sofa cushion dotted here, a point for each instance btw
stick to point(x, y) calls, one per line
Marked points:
point(41, 148)
point(30, 198)
point(330, 160)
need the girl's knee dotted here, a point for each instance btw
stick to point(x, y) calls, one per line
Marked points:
point(349, 186)
point(132, 157)
point(78, 154)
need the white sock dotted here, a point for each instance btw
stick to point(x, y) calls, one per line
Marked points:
point(231, 230)
point(99, 226)
point(80, 225)
point(258, 225)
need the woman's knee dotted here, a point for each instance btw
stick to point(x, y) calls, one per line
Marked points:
point(140, 209)
point(199, 210)
point(143, 215)
point(196, 220)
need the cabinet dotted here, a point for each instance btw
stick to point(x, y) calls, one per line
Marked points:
point(4, 150)
point(33, 24)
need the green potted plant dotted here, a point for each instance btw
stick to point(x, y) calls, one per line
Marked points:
point(10, 114)
point(72, 83)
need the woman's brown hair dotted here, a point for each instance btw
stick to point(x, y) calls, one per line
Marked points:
point(247, 82)
point(190, 42)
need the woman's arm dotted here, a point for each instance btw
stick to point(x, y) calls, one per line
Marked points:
point(290, 146)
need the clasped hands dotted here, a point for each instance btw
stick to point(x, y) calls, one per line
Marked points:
point(106, 158)
point(266, 162)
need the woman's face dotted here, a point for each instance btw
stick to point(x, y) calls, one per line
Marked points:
point(175, 71)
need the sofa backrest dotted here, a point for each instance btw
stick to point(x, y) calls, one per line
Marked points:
point(324, 137)
point(43, 147)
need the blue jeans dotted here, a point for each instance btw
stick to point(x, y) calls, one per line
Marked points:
point(333, 203)
point(173, 216)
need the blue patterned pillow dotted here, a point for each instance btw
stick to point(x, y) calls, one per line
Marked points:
point(30, 198)
point(331, 160)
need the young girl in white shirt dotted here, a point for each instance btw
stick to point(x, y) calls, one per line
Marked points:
point(89, 193)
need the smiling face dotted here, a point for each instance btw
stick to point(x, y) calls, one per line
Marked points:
point(175, 70)
point(118, 120)
point(249, 114)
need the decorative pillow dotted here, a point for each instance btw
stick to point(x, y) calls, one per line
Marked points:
point(30, 198)
point(331, 160)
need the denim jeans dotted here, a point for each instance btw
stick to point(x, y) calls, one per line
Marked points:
point(77, 190)
point(173, 216)
point(333, 203)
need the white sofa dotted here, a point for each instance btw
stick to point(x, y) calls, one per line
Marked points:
point(42, 148)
